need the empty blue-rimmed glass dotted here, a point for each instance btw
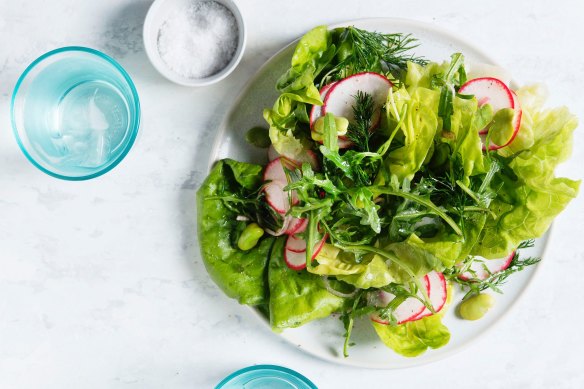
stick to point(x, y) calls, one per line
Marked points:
point(266, 377)
point(75, 113)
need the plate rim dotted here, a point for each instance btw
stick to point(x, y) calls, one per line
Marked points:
point(544, 239)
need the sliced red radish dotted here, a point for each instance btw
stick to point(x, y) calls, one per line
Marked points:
point(340, 98)
point(437, 292)
point(490, 90)
point(405, 312)
point(482, 268)
point(276, 197)
point(275, 172)
point(307, 156)
point(310, 157)
point(296, 244)
point(297, 225)
point(296, 260)
point(316, 110)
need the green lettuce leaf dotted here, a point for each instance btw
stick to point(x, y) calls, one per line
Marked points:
point(418, 133)
point(312, 53)
point(296, 297)
point(527, 204)
point(420, 76)
point(414, 338)
point(450, 248)
point(416, 256)
point(241, 275)
point(375, 274)
point(372, 272)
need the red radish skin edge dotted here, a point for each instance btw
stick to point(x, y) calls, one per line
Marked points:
point(317, 109)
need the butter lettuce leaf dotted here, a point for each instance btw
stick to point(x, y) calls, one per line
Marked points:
point(241, 275)
point(527, 203)
point(296, 298)
point(312, 53)
point(371, 272)
point(375, 274)
point(417, 132)
point(414, 338)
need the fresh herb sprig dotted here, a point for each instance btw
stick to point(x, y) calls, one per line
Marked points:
point(362, 51)
point(494, 281)
point(359, 130)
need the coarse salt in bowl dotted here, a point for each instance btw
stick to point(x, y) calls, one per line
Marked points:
point(194, 42)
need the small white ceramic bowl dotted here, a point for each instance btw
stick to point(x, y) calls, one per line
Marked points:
point(158, 14)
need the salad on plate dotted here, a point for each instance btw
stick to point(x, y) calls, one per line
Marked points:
point(392, 183)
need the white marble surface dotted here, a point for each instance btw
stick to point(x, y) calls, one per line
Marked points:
point(101, 283)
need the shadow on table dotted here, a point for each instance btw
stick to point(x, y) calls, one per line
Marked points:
point(123, 40)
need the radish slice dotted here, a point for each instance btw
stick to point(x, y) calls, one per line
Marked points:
point(276, 197)
point(405, 312)
point(489, 90)
point(308, 156)
point(437, 292)
point(341, 96)
point(275, 172)
point(316, 110)
point(297, 225)
point(492, 265)
point(296, 244)
point(296, 260)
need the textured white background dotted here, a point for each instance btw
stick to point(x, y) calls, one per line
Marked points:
point(101, 283)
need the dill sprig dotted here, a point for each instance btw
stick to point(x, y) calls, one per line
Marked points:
point(495, 280)
point(374, 51)
point(358, 131)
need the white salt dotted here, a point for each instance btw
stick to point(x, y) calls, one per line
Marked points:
point(198, 39)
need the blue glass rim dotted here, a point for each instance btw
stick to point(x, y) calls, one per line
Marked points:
point(237, 373)
point(133, 130)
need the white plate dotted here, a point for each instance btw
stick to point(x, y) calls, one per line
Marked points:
point(324, 338)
